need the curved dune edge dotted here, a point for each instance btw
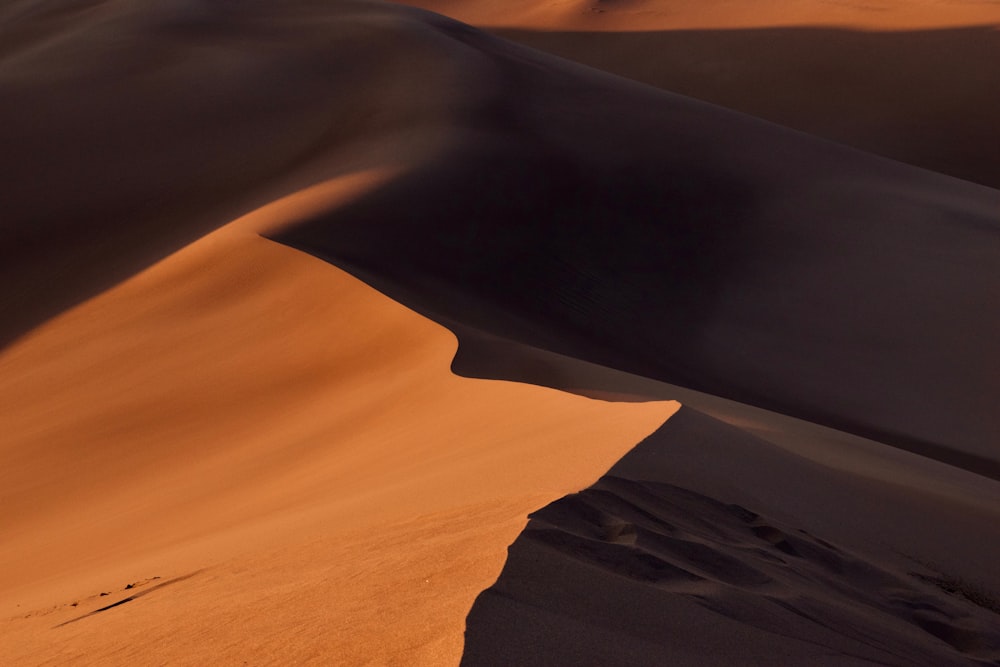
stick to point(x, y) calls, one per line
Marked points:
point(174, 444)
point(264, 457)
point(708, 545)
point(906, 80)
point(735, 535)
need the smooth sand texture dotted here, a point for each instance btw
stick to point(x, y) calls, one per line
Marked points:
point(655, 234)
point(926, 97)
point(217, 448)
point(673, 14)
point(888, 556)
point(256, 417)
point(912, 81)
point(636, 572)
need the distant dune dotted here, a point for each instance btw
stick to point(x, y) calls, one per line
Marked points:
point(925, 97)
point(218, 447)
point(914, 82)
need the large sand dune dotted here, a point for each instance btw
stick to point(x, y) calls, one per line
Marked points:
point(913, 81)
point(292, 440)
point(926, 97)
point(625, 15)
point(672, 239)
point(218, 448)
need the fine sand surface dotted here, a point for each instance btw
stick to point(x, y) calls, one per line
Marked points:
point(913, 81)
point(626, 15)
point(688, 553)
point(807, 544)
point(608, 221)
point(928, 97)
point(219, 448)
point(278, 456)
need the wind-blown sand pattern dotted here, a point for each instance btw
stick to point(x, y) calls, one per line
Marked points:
point(308, 305)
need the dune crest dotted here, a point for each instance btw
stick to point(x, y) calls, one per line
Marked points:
point(216, 444)
point(655, 234)
point(293, 440)
point(624, 15)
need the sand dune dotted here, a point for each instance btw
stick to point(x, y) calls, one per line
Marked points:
point(139, 127)
point(925, 97)
point(672, 14)
point(633, 572)
point(912, 81)
point(216, 446)
point(291, 439)
point(658, 235)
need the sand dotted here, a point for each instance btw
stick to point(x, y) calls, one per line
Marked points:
point(632, 15)
point(912, 81)
point(283, 450)
point(735, 522)
point(308, 306)
point(655, 234)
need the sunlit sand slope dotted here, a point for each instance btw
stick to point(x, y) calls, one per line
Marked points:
point(245, 453)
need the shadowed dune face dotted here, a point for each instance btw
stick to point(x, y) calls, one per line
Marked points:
point(241, 450)
point(652, 552)
point(914, 82)
point(668, 238)
point(744, 259)
point(637, 572)
point(140, 126)
point(928, 97)
point(250, 413)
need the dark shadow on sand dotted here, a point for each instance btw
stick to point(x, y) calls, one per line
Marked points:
point(926, 97)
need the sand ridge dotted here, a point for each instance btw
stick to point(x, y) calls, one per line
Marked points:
point(737, 258)
point(625, 555)
point(911, 81)
point(632, 15)
point(217, 444)
point(239, 396)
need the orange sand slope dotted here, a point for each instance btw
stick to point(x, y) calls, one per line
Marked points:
point(217, 447)
point(683, 14)
point(805, 543)
point(292, 440)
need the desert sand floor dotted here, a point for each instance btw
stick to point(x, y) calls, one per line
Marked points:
point(810, 545)
point(306, 306)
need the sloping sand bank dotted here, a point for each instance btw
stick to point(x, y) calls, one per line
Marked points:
point(216, 445)
point(638, 572)
point(925, 97)
point(243, 453)
point(608, 221)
